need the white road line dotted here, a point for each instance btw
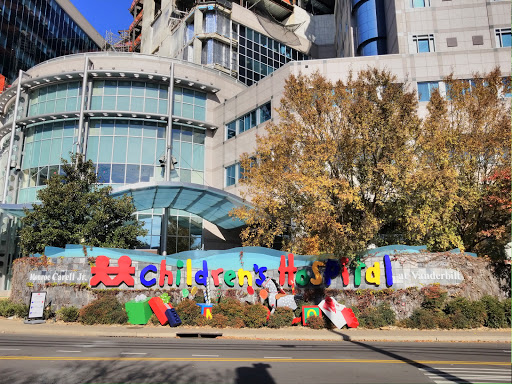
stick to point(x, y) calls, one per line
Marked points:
point(133, 353)
point(9, 349)
point(483, 370)
point(59, 350)
point(276, 357)
point(205, 355)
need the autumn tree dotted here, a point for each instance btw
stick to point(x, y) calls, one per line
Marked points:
point(74, 209)
point(322, 178)
point(460, 196)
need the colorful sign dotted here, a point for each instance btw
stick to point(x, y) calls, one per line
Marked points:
point(308, 311)
point(113, 276)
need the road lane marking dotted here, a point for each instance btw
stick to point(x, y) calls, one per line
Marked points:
point(271, 357)
point(205, 355)
point(133, 353)
point(389, 361)
point(63, 351)
point(9, 349)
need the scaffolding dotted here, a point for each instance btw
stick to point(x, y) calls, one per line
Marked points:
point(118, 42)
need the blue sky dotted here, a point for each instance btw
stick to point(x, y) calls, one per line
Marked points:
point(106, 15)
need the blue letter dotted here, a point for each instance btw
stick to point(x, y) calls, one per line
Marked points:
point(143, 281)
point(261, 272)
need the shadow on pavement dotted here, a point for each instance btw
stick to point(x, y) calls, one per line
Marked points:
point(395, 356)
point(257, 374)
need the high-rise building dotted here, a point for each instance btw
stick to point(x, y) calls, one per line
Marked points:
point(168, 126)
point(33, 31)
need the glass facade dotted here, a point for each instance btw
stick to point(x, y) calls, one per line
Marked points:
point(371, 27)
point(32, 31)
point(425, 89)
point(63, 97)
point(259, 55)
point(249, 120)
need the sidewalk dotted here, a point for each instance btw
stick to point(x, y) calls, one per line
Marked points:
point(16, 326)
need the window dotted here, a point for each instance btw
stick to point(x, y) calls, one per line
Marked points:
point(231, 175)
point(420, 3)
point(249, 120)
point(503, 37)
point(425, 89)
point(506, 92)
point(424, 43)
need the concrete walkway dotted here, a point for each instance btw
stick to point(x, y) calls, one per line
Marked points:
point(17, 326)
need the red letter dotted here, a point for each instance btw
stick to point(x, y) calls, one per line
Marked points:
point(290, 269)
point(163, 273)
point(344, 270)
point(215, 275)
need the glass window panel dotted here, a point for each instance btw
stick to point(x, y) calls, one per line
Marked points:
point(71, 104)
point(45, 152)
point(199, 113)
point(200, 99)
point(110, 87)
point(198, 159)
point(159, 174)
point(67, 147)
point(160, 148)
point(120, 149)
point(161, 132)
point(423, 46)
point(118, 173)
point(185, 175)
point(197, 177)
point(27, 156)
point(124, 87)
point(155, 242)
point(163, 92)
point(73, 89)
point(149, 131)
point(55, 151)
point(123, 103)
point(50, 107)
point(176, 108)
point(47, 131)
point(96, 102)
point(105, 149)
point(121, 127)
point(135, 128)
point(188, 111)
point(60, 105)
point(199, 136)
point(137, 104)
point(195, 242)
point(188, 96)
point(148, 151)
point(134, 149)
point(138, 88)
point(186, 134)
point(107, 127)
point(186, 155)
point(92, 148)
point(178, 94)
point(43, 176)
point(104, 173)
point(35, 154)
point(146, 173)
point(53, 171)
point(156, 225)
point(132, 173)
point(152, 90)
point(69, 128)
point(109, 103)
point(33, 177)
point(61, 91)
point(151, 105)
point(162, 106)
point(97, 88)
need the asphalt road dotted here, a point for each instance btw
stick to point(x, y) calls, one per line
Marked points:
point(44, 359)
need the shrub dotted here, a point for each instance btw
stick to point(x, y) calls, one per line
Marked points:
point(423, 318)
point(465, 313)
point(68, 314)
point(282, 317)
point(255, 316)
point(495, 312)
point(316, 322)
point(104, 310)
point(154, 320)
point(376, 317)
point(433, 297)
point(506, 308)
point(10, 308)
point(219, 320)
point(188, 312)
point(232, 309)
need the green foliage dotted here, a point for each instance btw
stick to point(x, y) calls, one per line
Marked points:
point(255, 316)
point(316, 322)
point(376, 317)
point(423, 318)
point(188, 311)
point(219, 320)
point(507, 309)
point(232, 309)
point(433, 297)
point(74, 209)
point(495, 312)
point(465, 313)
point(10, 308)
point(154, 320)
point(282, 317)
point(68, 314)
point(104, 310)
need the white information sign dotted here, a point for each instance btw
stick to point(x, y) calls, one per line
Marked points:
point(36, 309)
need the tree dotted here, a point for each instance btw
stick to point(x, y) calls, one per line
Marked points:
point(461, 197)
point(74, 209)
point(323, 177)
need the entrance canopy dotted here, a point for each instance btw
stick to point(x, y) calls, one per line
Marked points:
point(209, 203)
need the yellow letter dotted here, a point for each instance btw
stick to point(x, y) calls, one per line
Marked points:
point(318, 277)
point(373, 274)
point(241, 275)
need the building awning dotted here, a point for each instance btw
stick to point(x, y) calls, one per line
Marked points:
point(209, 203)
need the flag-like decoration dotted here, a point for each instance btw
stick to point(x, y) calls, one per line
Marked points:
point(338, 313)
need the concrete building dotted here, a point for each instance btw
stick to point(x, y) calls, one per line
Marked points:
point(178, 155)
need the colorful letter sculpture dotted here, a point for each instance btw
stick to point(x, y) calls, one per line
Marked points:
point(310, 310)
point(165, 313)
point(338, 313)
point(206, 310)
point(138, 312)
